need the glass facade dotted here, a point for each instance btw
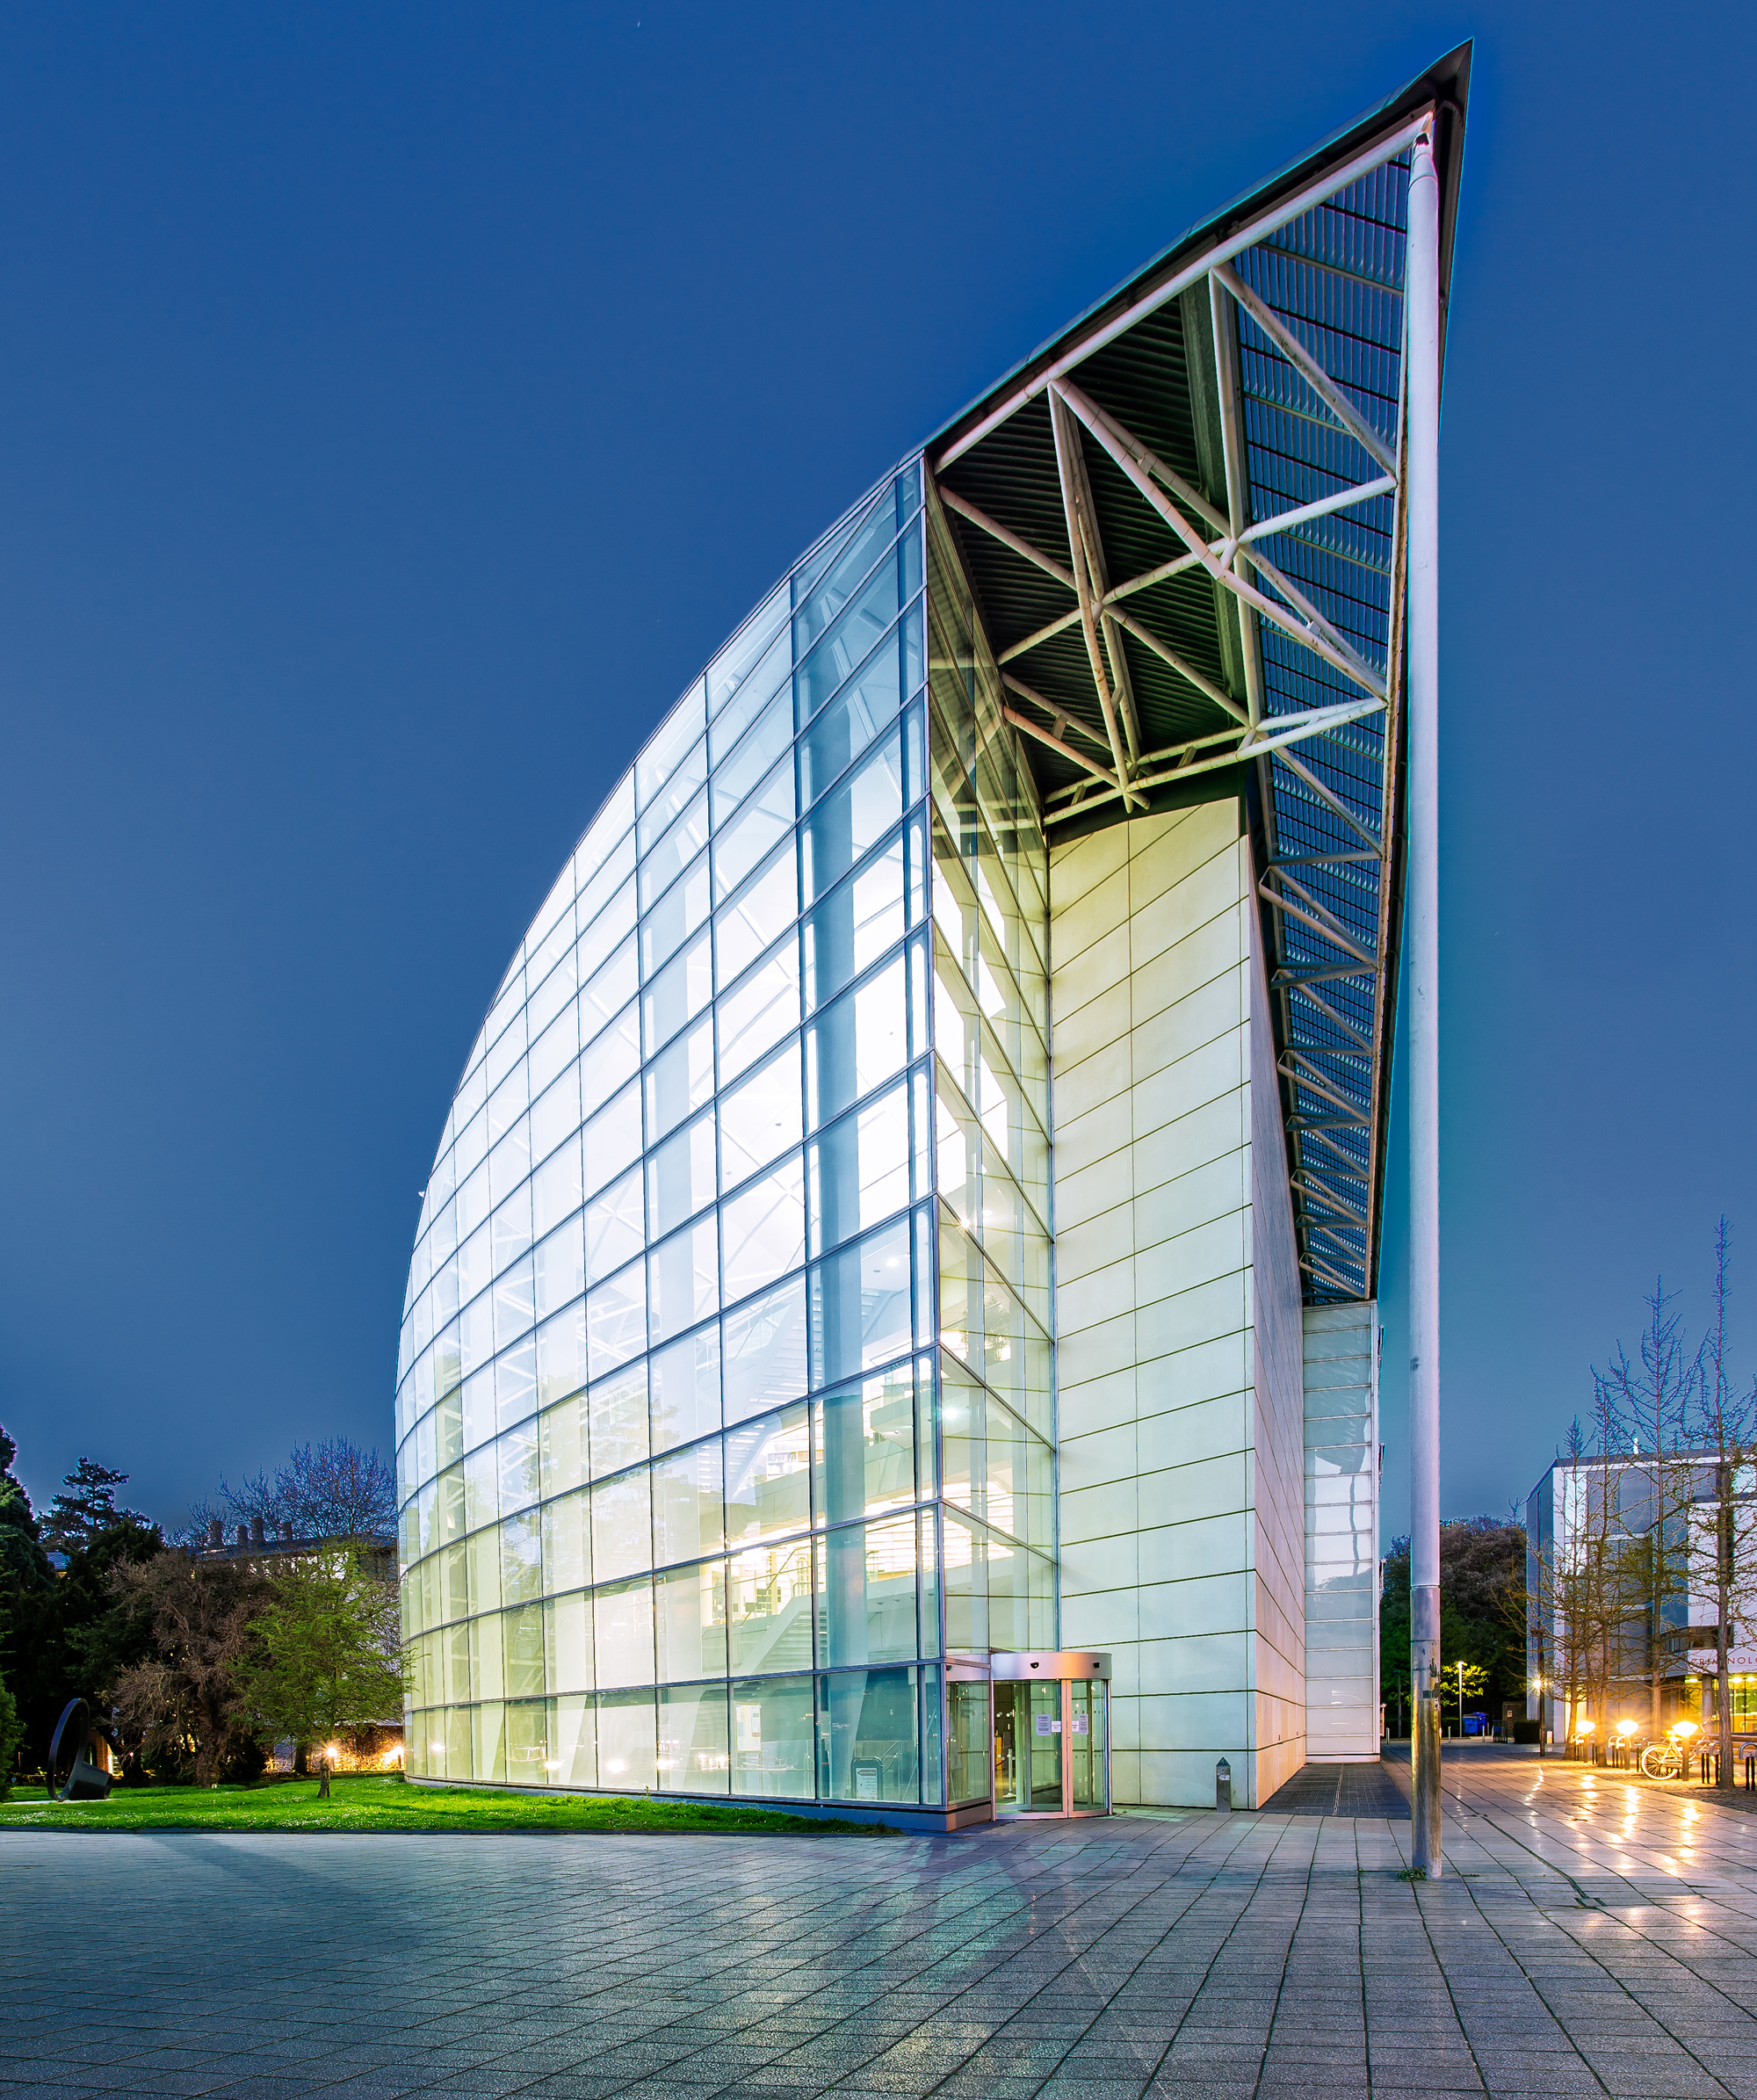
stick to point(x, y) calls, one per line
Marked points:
point(725, 1402)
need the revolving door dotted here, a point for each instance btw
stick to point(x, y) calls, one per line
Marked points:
point(1052, 1720)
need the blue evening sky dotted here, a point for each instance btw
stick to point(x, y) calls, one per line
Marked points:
point(402, 402)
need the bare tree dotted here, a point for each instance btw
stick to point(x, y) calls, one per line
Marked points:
point(1724, 1542)
point(188, 1692)
point(1651, 1399)
point(336, 1490)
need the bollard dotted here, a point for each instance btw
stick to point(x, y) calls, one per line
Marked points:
point(1223, 1784)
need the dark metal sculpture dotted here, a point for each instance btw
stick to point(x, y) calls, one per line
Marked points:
point(73, 1776)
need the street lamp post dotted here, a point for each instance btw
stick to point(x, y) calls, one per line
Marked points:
point(1421, 337)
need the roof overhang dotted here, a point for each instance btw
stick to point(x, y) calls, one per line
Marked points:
point(1182, 519)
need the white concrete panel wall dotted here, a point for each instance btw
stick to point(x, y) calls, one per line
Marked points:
point(1341, 1530)
point(1279, 1419)
point(1179, 1424)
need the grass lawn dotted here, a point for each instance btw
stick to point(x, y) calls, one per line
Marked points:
point(368, 1802)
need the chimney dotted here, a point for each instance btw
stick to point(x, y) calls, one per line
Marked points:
point(216, 1535)
point(243, 1536)
point(256, 1531)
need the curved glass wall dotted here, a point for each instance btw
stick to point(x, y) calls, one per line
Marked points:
point(725, 1398)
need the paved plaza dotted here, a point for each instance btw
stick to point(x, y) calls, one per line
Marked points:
point(1594, 1936)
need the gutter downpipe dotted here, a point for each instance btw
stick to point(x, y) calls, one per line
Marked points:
point(1422, 289)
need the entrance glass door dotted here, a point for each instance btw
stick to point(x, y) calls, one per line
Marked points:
point(1051, 1740)
point(1087, 1761)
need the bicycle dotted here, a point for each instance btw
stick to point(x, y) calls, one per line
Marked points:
point(1665, 1759)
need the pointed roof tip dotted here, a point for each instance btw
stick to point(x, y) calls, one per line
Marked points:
point(1444, 83)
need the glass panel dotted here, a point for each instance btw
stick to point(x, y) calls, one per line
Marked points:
point(616, 1321)
point(488, 1759)
point(967, 1743)
point(674, 763)
point(568, 1642)
point(622, 1632)
point(1043, 1705)
point(1086, 1746)
point(608, 988)
point(564, 1447)
point(772, 1750)
point(1012, 1758)
point(671, 923)
point(607, 912)
point(760, 1116)
point(627, 1746)
point(740, 659)
point(555, 1050)
point(754, 757)
point(857, 1042)
point(965, 1579)
point(694, 1747)
point(851, 820)
point(622, 1526)
point(481, 1487)
point(763, 1008)
point(847, 643)
point(861, 1306)
point(519, 1484)
point(855, 925)
point(612, 1139)
point(610, 1059)
point(824, 584)
point(679, 1081)
point(575, 1735)
point(608, 829)
point(521, 1557)
point(766, 818)
point(769, 1608)
point(668, 857)
point(689, 1517)
point(868, 1750)
point(864, 1448)
point(679, 992)
point(763, 1344)
point(757, 916)
point(680, 1177)
point(615, 1227)
point(685, 1377)
point(515, 1385)
point(522, 1632)
point(860, 1169)
point(865, 707)
point(689, 1615)
point(561, 1353)
point(763, 1229)
point(557, 1186)
point(768, 1477)
point(683, 1279)
point(617, 1408)
point(866, 1593)
point(510, 1228)
point(567, 1558)
point(514, 1303)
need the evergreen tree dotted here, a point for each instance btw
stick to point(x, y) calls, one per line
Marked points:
point(85, 1508)
point(26, 1595)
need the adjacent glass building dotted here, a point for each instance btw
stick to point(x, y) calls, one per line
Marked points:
point(735, 1443)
